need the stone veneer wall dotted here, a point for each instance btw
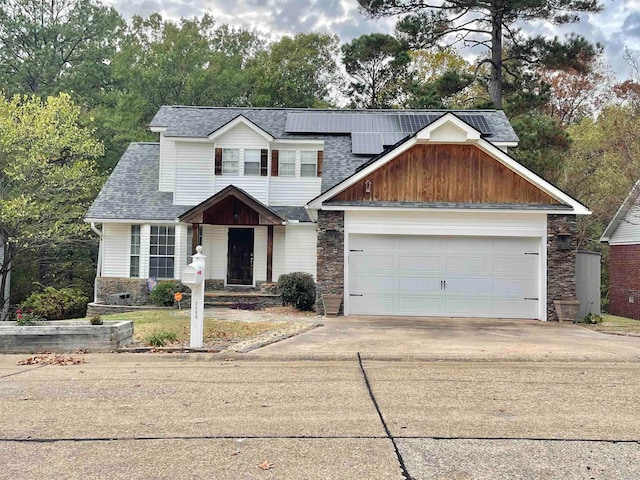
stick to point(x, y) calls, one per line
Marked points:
point(137, 287)
point(624, 280)
point(561, 264)
point(330, 256)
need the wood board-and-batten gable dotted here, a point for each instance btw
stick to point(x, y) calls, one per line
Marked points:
point(231, 206)
point(444, 173)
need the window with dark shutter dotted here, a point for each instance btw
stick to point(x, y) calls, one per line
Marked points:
point(218, 164)
point(319, 163)
point(263, 162)
point(274, 163)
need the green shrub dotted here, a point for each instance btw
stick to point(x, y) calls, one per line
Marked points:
point(591, 319)
point(162, 294)
point(159, 338)
point(96, 320)
point(57, 304)
point(297, 289)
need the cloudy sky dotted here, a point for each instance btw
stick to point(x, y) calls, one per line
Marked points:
point(617, 27)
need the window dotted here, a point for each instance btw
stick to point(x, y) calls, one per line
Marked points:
point(252, 162)
point(308, 165)
point(190, 240)
point(287, 163)
point(230, 161)
point(161, 251)
point(134, 259)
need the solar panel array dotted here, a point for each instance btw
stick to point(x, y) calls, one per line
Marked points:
point(372, 132)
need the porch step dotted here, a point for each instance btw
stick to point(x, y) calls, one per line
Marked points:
point(229, 298)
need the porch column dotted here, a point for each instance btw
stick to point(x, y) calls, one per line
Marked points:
point(195, 230)
point(269, 253)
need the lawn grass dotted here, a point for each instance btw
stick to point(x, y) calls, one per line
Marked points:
point(618, 325)
point(150, 322)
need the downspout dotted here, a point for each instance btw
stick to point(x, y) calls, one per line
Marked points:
point(99, 267)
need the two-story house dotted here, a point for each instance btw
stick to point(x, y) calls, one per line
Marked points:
point(401, 212)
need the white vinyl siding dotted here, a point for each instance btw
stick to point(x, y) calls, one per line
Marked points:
point(260, 254)
point(279, 252)
point(293, 191)
point(194, 173)
point(242, 136)
point(301, 249)
point(167, 164)
point(116, 249)
point(257, 187)
point(214, 246)
point(628, 230)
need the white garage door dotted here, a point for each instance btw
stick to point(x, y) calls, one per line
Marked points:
point(443, 276)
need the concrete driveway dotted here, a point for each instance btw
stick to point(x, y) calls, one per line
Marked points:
point(452, 338)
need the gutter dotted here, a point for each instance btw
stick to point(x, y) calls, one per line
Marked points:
point(99, 267)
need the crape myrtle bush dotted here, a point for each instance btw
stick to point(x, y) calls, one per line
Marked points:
point(57, 303)
point(297, 289)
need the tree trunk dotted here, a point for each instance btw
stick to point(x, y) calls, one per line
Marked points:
point(495, 81)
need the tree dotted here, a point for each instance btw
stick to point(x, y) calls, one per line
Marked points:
point(298, 71)
point(48, 176)
point(486, 24)
point(57, 45)
point(378, 65)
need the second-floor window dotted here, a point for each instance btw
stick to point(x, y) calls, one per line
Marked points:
point(230, 161)
point(251, 162)
point(308, 163)
point(287, 163)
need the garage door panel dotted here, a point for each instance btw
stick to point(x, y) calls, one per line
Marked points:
point(373, 283)
point(467, 263)
point(444, 276)
point(525, 287)
point(382, 262)
point(423, 263)
point(373, 305)
point(419, 284)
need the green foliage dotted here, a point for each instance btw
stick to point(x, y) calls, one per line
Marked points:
point(297, 71)
point(485, 26)
point(96, 320)
point(378, 65)
point(297, 289)
point(48, 178)
point(591, 319)
point(57, 304)
point(27, 318)
point(160, 337)
point(57, 46)
point(162, 294)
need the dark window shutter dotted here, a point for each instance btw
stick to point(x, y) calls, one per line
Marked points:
point(218, 169)
point(320, 157)
point(274, 163)
point(263, 162)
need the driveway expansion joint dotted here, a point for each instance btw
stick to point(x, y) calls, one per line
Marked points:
point(403, 468)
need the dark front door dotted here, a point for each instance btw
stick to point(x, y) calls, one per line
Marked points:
point(240, 257)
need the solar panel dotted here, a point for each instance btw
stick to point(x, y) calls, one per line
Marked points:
point(366, 143)
point(381, 122)
point(478, 122)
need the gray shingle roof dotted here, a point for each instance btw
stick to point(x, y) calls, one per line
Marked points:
point(131, 193)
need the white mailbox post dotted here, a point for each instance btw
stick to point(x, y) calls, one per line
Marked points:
point(193, 277)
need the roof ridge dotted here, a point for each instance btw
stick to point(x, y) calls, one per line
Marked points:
point(333, 110)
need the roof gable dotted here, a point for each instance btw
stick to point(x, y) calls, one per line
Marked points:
point(449, 129)
point(629, 202)
point(240, 120)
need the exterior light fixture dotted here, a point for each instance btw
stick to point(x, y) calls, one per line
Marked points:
point(367, 186)
point(563, 240)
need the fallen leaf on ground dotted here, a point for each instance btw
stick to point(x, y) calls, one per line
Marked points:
point(266, 465)
point(51, 359)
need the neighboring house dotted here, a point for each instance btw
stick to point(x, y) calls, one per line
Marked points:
point(401, 212)
point(623, 237)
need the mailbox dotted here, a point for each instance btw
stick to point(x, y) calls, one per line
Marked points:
point(193, 274)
